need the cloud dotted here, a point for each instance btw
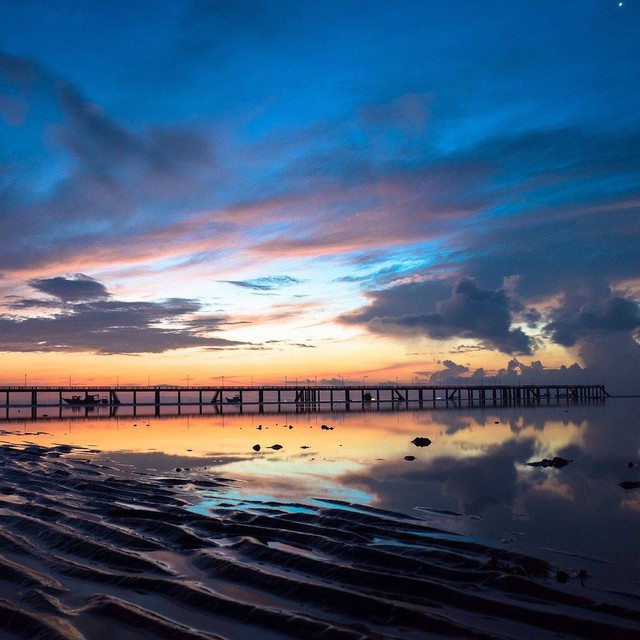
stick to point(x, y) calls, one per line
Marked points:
point(268, 283)
point(604, 327)
point(513, 372)
point(78, 183)
point(468, 348)
point(383, 214)
point(88, 319)
point(154, 164)
point(584, 314)
point(469, 312)
point(614, 359)
point(451, 371)
point(75, 289)
point(569, 195)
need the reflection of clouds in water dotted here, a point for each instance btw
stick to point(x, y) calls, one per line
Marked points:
point(614, 430)
point(467, 484)
point(517, 419)
point(454, 421)
point(483, 481)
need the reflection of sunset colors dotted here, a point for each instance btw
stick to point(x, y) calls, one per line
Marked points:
point(322, 191)
point(357, 438)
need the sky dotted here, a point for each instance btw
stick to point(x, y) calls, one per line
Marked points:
point(262, 191)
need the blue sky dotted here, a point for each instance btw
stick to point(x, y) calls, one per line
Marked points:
point(422, 187)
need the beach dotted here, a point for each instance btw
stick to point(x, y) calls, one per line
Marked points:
point(93, 550)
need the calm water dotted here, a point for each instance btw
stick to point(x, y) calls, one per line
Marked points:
point(473, 478)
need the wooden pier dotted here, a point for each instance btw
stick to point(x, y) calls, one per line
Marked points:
point(302, 398)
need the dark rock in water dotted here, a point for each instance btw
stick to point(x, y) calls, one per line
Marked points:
point(256, 447)
point(304, 446)
point(421, 442)
point(562, 576)
point(178, 469)
point(630, 465)
point(275, 446)
point(409, 458)
point(557, 462)
point(628, 484)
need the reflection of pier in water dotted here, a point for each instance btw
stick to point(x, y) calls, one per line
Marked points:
point(140, 400)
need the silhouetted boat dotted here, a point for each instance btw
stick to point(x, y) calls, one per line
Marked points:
point(89, 399)
point(233, 399)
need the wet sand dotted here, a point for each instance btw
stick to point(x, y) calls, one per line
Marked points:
point(89, 550)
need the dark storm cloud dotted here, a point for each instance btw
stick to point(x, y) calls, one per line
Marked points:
point(604, 328)
point(410, 298)
point(88, 319)
point(469, 312)
point(582, 315)
point(74, 289)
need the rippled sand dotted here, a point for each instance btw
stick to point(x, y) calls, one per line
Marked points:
point(91, 551)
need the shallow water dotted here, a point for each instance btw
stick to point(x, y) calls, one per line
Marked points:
point(473, 478)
